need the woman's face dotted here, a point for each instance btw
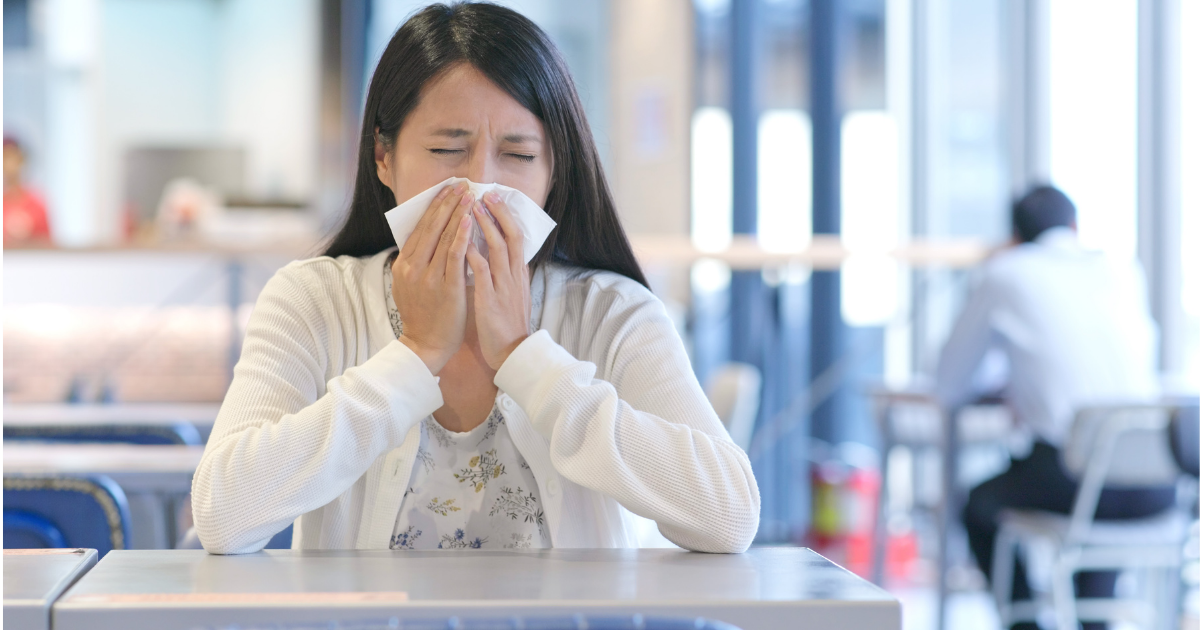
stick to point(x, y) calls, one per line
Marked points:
point(466, 126)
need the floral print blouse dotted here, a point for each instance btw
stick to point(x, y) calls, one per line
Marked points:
point(468, 490)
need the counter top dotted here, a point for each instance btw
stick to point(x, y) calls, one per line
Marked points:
point(763, 588)
point(34, 578)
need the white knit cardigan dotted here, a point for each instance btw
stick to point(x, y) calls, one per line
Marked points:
point(321, 423)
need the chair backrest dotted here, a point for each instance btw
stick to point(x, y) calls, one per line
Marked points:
point(734, 391)
point(26, 530)
point(177, 433)
point(1185, 437)
point(87, 512)
point(1141, 454)
point(1120, 445)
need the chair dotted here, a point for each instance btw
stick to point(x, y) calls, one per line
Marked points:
point(177, 433)
point(1119, 446)
point(56, 512)
point(734, 392)
point(1185, 437)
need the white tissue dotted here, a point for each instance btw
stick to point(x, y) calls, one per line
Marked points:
point(534, 223)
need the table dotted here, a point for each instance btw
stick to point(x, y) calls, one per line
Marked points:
point(156, 479)
point(763, 588)
point(821, 252)
point(200, 415)
point(984, 422)
point(34, 579)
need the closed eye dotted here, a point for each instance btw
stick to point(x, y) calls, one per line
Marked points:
point(522, 156)
point(445, 151)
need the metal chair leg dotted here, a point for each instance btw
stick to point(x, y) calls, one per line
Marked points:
point(1003, 560)
point(880, 536)
point(1062, 591)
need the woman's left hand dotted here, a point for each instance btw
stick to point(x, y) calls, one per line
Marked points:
point(501, 283)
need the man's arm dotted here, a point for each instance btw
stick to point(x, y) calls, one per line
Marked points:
point(967, 345)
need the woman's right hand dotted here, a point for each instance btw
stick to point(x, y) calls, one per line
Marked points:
point(429, 278)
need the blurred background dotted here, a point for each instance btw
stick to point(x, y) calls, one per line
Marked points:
point(808, 184)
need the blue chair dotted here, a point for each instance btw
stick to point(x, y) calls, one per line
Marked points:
point(282, 540)
point(26, 530)
point(177, 433)
point(56, 512)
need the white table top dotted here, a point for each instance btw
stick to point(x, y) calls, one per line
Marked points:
point(34, 578)
point(51, 414)
point(134, 467)
point(821, 252)
point(763, 588)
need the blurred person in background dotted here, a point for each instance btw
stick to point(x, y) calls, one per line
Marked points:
point(380, 402)
point(25, 220)
point(1075, 328)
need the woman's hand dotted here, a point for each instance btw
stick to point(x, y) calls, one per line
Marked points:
point(501, 283)
point(429, 278)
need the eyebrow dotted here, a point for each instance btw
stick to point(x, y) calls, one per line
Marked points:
point(451, 133)
point(515, 138)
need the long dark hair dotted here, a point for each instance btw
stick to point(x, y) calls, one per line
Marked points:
point(518, 57)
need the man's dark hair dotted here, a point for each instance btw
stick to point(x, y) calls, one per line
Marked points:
point(518, 57)
point(1040, 209)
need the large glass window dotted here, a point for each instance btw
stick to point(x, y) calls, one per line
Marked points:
point(712, 130)
point(784, 130)
point(712, 178)
point(870, 217)
point(964, 182)
point(1093, 118)
point(1189, 26)
point(870, 193)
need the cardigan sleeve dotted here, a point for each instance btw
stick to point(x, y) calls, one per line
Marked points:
point(286, 441)
point(646, 435)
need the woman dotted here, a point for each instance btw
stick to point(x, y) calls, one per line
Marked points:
point(380, 402)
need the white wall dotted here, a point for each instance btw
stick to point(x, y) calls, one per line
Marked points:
point(194, 72)
point(652, 106)
point(160, 83)
point(579, 28)
point(270, 60)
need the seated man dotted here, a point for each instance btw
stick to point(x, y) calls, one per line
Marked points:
point(1075, 328)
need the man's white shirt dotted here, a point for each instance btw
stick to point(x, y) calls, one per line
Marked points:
point(1074, 325)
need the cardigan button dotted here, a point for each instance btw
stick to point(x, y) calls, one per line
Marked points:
point(552, 487)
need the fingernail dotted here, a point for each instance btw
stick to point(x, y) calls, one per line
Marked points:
point(460, 187)
point(466, 199)
point(492, 197)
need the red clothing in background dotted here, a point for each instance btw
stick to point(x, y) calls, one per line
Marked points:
point(24, 217)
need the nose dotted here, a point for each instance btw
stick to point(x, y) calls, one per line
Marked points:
point(482, 166)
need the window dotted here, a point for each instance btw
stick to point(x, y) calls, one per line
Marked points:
point(1189, 26)
point(1093, 118)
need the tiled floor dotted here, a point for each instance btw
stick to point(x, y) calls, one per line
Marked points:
point(971, 606)
point(972, 610)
